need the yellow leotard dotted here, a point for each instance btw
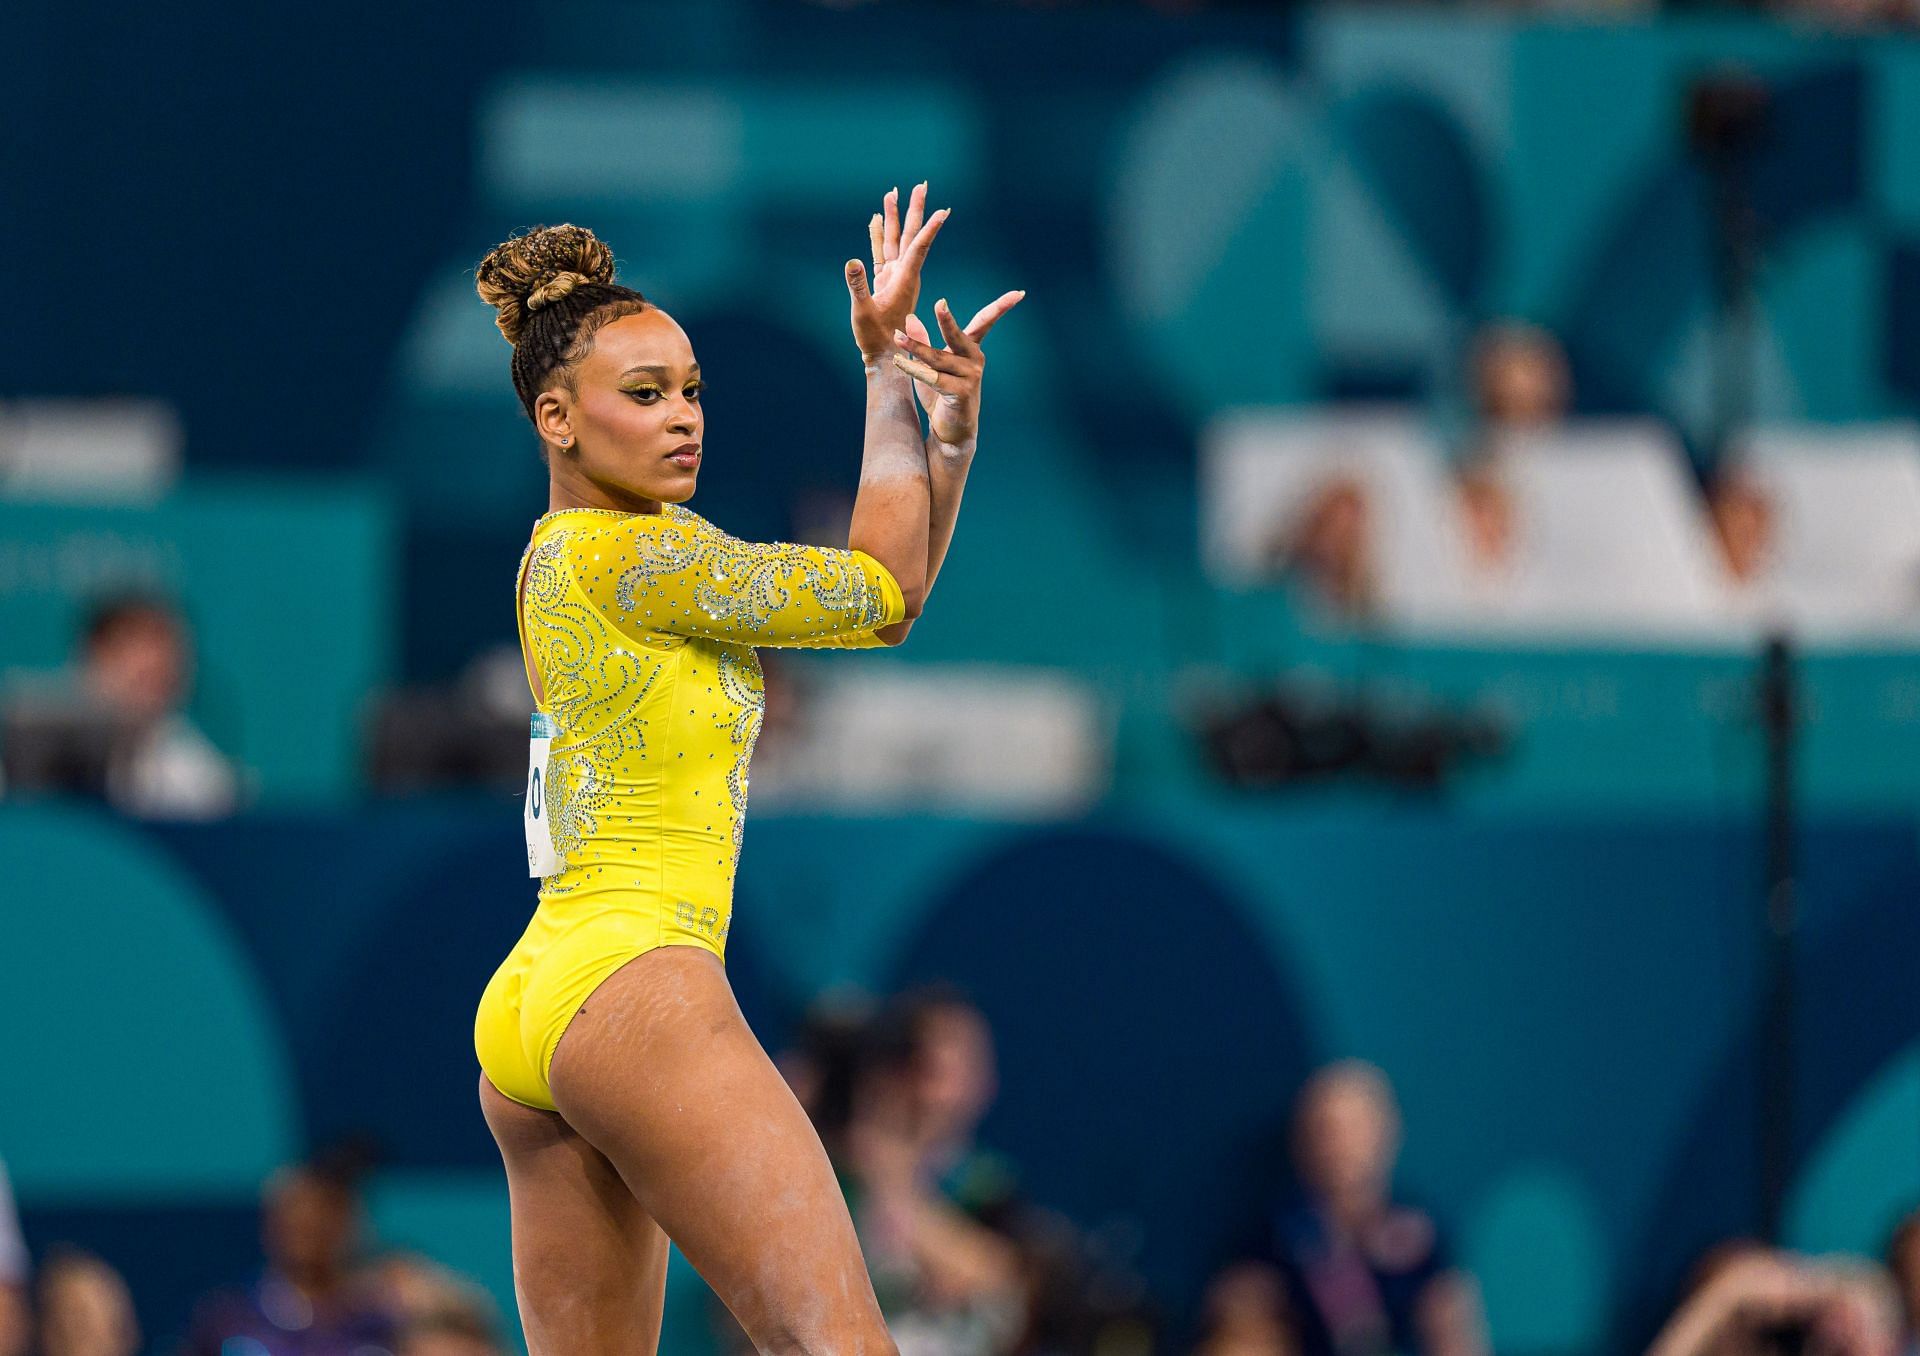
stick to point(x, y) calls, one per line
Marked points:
point(641, 626)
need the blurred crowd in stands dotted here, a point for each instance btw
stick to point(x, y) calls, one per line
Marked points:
point(320, 1289)
point(966, 1258)
point(1531, 520)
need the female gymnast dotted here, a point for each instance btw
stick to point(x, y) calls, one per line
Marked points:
point(630, 1102)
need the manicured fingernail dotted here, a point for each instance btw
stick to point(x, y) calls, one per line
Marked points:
point(900, 338)
point(941, 304)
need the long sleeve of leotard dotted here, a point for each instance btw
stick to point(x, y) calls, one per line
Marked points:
point(674, 573)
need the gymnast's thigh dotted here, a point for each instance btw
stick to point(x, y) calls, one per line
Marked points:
point(662, 1075)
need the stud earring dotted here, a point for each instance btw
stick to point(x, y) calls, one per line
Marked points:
point(565, 442)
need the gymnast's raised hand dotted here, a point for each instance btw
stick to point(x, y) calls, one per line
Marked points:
point(947, 380)
point(899, 250)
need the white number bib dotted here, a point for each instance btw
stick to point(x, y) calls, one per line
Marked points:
point(542, 859)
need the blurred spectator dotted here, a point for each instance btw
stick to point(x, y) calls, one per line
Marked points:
point(947, 1283)
point(438, 1311)
point(1744, 528)
point(1520, 387)
point(1903, 1261)
point(413, 1289)
point(1747, 1300)
point(823, 1066)
point(14, 1325)
point(1328, 549)
point(1245, 1313)
point(956, 1080)
point(1366, 1275)
point(85, 1308)
point(1743, 522)
point(122, 732)
point(1520, 382)
point(961, 1262)
point(449, 1333)
point(1487, 525)
point(308, 1301)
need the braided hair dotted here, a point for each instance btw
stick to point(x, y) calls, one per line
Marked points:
point(552, 289)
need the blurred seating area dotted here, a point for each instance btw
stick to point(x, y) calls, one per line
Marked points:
point(1593, 531)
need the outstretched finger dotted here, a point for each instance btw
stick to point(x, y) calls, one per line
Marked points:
point(957, 339)
point(890, 236)
point(916, 211)
point(916, 250)
point(989, 315)
point(857, 281)
point(877, 240)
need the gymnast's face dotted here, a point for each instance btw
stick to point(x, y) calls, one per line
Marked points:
point(634, 414)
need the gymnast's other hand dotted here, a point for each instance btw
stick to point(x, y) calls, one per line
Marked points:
point(899, 250)
point(947, 380)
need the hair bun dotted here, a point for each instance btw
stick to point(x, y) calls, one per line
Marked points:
point(549, 292)
point(530, 271)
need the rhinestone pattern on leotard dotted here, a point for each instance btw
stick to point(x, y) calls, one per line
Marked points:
point(744, 684)
point(737, 583)
point(643, 628)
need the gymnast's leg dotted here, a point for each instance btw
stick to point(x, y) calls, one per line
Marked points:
point(589, 1265)
point(659, 1072)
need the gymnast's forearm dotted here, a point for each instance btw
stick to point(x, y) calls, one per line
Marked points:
point(891, 511)
point(947, 466)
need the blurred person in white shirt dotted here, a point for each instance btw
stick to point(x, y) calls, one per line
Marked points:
point(136, 669)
